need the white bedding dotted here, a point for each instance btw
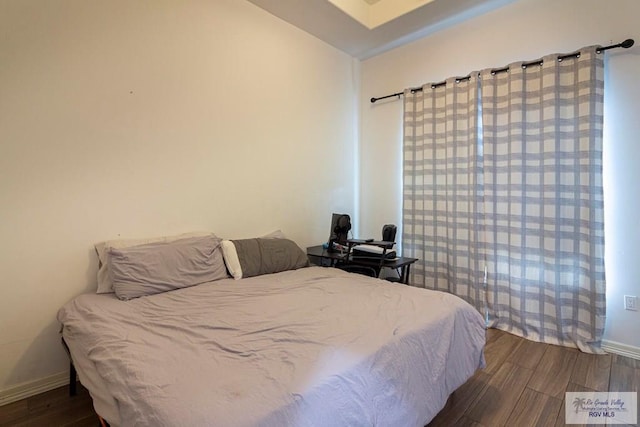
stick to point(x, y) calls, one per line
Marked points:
point(310, 347)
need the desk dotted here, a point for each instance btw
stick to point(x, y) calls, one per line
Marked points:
point(334, 258)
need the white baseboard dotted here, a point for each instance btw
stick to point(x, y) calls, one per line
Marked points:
point(621, 349)
point(31, 388)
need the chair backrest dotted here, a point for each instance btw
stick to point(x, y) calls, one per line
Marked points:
point(389, 232)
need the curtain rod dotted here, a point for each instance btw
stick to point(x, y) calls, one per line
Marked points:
point(625, 44)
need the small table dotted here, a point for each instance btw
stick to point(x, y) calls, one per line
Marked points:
point(402, 263)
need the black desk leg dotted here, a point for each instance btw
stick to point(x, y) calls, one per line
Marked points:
point(72, 379)
point(405, 274)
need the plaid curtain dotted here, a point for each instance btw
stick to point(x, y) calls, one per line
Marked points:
point(440, 200)
point(516, 193)
point(544, 226)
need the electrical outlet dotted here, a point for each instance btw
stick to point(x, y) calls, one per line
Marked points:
point(631, 302)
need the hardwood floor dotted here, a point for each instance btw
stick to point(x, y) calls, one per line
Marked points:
point(523, 385)
point(52, 408)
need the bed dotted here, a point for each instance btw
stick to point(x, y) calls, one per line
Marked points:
point(309, 346)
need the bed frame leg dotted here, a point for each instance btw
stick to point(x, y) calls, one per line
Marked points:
point(73, 385)
point(72, 370)
point(72, 380)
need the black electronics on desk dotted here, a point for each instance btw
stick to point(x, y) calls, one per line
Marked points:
point(340, 227)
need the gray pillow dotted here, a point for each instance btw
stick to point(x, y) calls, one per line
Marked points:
point(265, 256)
point(164, 266)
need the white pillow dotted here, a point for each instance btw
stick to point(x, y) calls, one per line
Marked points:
point(231, 259)
point(105, 284)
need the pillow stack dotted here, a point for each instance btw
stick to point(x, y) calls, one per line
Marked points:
point(136, 268)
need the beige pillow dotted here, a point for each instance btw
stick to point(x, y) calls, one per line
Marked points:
point(164, 266)
point(105, 285)
point(231, 259)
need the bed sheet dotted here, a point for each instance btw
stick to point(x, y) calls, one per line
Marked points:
point(310, 347)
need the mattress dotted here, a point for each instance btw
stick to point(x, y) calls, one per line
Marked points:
point(310, 347)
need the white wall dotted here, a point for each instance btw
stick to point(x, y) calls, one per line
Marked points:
point(121, 118)
point(523, 30)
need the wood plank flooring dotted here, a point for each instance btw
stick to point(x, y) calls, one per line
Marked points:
point(523, 385)
point(52, 408)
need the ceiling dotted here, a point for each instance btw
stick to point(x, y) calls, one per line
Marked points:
point(365, 28)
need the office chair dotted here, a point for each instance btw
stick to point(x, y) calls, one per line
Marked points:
point(389, 232)
point(389, 235)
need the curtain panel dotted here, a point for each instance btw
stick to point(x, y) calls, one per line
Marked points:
point(503, 198)
point(543, 226)
point(440, 201)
